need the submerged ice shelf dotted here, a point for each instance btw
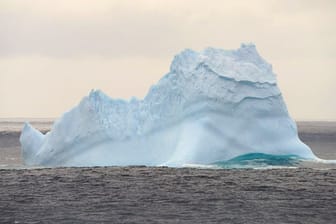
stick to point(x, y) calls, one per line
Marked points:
point(211, 107)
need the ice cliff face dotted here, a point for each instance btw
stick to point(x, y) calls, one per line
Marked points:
point(212, 106)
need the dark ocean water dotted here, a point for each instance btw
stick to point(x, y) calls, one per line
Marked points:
point(167, 195)
point(305, 194)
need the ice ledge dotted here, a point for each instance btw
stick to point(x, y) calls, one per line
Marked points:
point(243, 64)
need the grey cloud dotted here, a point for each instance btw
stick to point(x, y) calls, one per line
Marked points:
point(130, 32)
point(111, 35)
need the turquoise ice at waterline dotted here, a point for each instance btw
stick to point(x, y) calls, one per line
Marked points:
point(213, 106)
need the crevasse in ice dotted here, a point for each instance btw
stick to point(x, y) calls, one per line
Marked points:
point(212, 106)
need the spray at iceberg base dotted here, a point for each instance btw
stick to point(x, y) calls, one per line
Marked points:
point(213, 107)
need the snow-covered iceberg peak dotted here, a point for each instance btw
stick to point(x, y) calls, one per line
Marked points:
point(212, 106)
point(244, 64)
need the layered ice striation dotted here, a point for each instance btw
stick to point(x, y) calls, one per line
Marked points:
point(213, 106)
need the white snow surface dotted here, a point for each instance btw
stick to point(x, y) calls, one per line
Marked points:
point(212, 106)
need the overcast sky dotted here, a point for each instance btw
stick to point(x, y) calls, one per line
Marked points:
point(52, 53)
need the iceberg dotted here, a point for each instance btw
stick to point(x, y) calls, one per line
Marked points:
point(212, 106)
